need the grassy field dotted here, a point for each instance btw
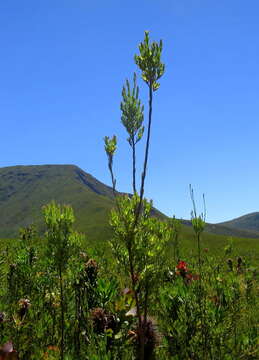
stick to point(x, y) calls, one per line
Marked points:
point(97, 241)
point(53, 289)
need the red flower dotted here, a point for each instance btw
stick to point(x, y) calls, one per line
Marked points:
point(182, 267)
point(183, 271)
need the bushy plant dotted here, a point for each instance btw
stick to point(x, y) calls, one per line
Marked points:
point(140, 240)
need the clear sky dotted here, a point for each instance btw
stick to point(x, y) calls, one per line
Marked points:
point(63, 64)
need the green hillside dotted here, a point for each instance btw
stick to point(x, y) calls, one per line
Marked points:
point(225, 229)
point(25, 189)
point(249, 222)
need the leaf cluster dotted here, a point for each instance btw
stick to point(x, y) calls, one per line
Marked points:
point(132, 112)
point(149, 62)
point(146, 243)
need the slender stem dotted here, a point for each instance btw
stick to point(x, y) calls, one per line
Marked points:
point(1, 332)
point(146, 302)
point(132, 273)
point(134, 166)
point(199, 252)
point(143, 177)
point(113, 179)
point(114, 192)
point(133, 280)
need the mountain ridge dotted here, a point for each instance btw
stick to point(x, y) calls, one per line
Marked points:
point(248, 221)
point(24, 189)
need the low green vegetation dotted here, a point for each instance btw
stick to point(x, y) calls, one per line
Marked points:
point(152, 288)
point(94, 297)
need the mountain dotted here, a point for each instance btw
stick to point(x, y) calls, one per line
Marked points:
point(224, 229)
point(25, 189)
point(249, 222)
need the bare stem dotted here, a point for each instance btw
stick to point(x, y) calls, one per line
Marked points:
point(113, 180)
point(134, 167)
point(143, 177)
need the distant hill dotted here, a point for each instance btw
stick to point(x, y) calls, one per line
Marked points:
point(25, 189)
point(224, 229)
point(249, 222)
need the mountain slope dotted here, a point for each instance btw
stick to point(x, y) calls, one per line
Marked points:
point(25, 189)
point(249, 222)
point(224, 229)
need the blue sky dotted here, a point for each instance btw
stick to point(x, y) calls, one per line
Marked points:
point(63, 64)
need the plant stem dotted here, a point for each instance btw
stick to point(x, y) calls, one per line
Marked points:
point(199, 251)
point(141, 334)
point(134, 166)
point(113, 180)
point(146, 302)
point(143, 177)
point(133, 280)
